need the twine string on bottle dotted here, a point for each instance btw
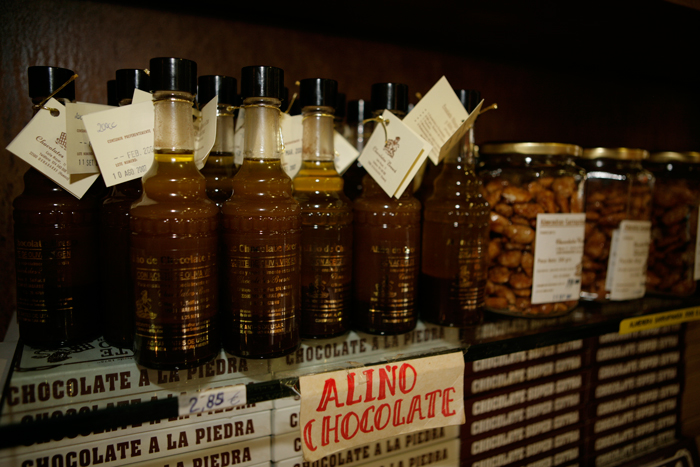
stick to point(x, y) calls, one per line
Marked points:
point(54, 112)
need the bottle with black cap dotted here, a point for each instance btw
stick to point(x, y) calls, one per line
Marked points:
point(262, 226)
point(455, 237)
point(56, 238)
point(219, 168)
point(117, 294)
point(174, 234)
point(326, 230)
point(357, 132)
point(387, 242)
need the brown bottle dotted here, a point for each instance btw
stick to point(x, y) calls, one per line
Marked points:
point(174, 230)
point(326, 231)
point(387, 243)
point(55, 247)
point(455, 238)
point(117, 292)
point(262, 226)
point(219, 168)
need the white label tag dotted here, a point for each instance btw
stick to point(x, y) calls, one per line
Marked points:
point(79, 155)
point(238, 138)
point(212, 399)
point(614, 240)
point(346, 408)
point(122, 139)
point(629, 266)
point(291, 135)
point(346, 153)
point(556, 274)
point(42, 143)
point(205, 137)
point(437, 117)
point(394, 157)
point(697, 247)
point(141, 96)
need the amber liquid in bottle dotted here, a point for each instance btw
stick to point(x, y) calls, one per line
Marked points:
point(174, 248)
point(455, 243)
point(262, 226)
point(386, 260)
point(117, 292)
point(326, 232)
point(219, 168)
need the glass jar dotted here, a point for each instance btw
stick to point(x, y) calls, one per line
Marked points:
point(673, 266)
point(618, 223)
point(537, 224)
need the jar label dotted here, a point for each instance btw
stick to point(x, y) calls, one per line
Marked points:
point(558, 257)
point(627, 263)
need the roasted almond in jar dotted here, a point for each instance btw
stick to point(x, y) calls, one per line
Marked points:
point(537, 227)
point(674, 265)
point(618, 223)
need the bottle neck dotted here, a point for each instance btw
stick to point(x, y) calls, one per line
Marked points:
point(463, 154)
point(174, 129)
point(224, 130)
point(262, 129)
point(317, 135)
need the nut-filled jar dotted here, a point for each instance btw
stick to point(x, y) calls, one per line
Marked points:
point(674, 266)
point(537, 223)
point(618, 223)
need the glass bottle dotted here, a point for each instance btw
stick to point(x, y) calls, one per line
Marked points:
point(326, 230)
point(455, 238)
point(174, 238)
point(339, 115)
point(117, 293)
point(55, 240)
point(357, 133)
point(386, 243)
point(262, 226)
point(219, 168)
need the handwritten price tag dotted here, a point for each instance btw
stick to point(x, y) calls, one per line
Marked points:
point(212, 399)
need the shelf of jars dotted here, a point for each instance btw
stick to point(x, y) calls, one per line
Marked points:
point(97, 388)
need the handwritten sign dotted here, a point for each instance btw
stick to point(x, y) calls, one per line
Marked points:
point(347, 408)
point(212, 399)
point(657, 320)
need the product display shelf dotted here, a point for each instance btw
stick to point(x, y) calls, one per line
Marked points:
point(497, 335)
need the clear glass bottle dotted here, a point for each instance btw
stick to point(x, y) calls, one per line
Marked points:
point(219, 168)
point(56, 238)
point(174, 239)
point(387, 243)
point(618, 189)
point(455, 238)
point(326, 230)
point(357, 133)
point(117, 292)
point(262, 227)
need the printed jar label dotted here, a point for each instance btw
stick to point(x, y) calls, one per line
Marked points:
point(627, 264)
point(558, 257)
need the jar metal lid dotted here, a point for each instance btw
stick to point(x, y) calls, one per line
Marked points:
point(550, 149)
point(670, 156)
point(627, 154)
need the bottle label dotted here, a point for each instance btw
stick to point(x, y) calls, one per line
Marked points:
point(43, 145)
point(175, 297)
point(627, 263)
point(468, 288)
point(80, 157)
point(264, 285)
point(326, 281)
point(394, 295)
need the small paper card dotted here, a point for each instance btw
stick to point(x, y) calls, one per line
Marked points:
point(437, 117)
point(627, 264)
point(42, 143)
point(393, 158)
point(238, 138)
point(346, 153)
point(291, 134)
point(141, 96)
point(122, 139)
point(79, 156)
point(347, 408)
point(205, 136)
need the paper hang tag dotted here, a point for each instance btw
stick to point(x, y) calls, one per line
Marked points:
point(79, 156)
point(346, 153)
point(43, 144)
point(438, 117)
point(122, 139)
point(205, 136)
point(291, 134)
point(141, 96)
point(394, 157)
point(238, 138)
